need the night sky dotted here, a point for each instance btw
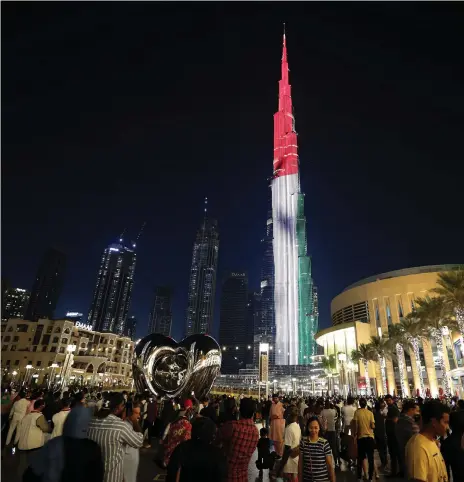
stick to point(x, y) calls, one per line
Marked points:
point(118, 113)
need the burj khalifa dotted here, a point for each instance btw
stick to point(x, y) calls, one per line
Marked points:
point(296, 317)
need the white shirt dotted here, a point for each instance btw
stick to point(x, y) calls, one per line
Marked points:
point(58, 422)
point(292, 438)
point(331, 415)
point(303, 407)
point(348, 414)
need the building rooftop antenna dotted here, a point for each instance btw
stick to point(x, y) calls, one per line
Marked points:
point(121, 236)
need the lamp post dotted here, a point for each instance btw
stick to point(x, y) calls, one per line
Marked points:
point(274, 385)
point(342, 360)
point(68, 361)
point(14, 376)
point(294, 386)
point(28, 367)
point(52, 374)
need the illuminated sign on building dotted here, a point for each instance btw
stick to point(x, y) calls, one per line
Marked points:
point(238, 275)
point(83, 326)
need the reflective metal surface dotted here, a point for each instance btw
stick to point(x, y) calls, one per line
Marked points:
point(170, 369)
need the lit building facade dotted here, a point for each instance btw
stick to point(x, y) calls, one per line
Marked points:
point(47, 287)
point(202, 284)
point(100, 359)
point(295, 321)
point(161, 313)
point(113, 290)
point(233, 319)
point(367, 308)
point(15, 301)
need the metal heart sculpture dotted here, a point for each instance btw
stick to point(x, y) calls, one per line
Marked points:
point(170, 369)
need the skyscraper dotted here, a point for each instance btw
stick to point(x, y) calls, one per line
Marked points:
point(233, 318)
point(131, 327)
point(47, 286)
point(252, 323)
point(264, 329)
point(113, 290)
point(202, 285)
point(15, 301)
point(293, 285)
point(161, 313)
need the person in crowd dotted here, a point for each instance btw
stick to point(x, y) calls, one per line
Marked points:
point(266, 410)
point(266, 458)
point(17, 413)
point(452, 448)
point(197, 459)
point(113, 435)
point(180, 430)
point(277, 424)
point(32, 399)
point(406, 427)
point(78, 399)
point(60, 417)
point(380, 435)
point(292, 438)
point(56, 461)
point(424, 461)
point(390, 424)
point(363, 431)
point(131, 457)
point(99, 403)
point(150, 420)
point(53, 406)
point(330, 415)
point(239, 439)
point(30, 435)
point(208, 410)
point(315, 461)
point(230, 411)
point(348, 414)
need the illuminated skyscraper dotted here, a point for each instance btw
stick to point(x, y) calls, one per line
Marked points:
point(131, 327)
point(161, 313)
point(202, 285)
point(112, 296)
point(233, 322)
point(15, 301)
point(293, 286)
point(47, 286)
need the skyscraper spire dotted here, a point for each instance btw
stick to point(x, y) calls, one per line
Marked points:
point(294, 319)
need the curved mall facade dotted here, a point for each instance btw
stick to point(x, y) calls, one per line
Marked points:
point(366, 309)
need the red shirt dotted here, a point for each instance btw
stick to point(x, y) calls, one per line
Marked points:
point(179, 431)
point(240, 439)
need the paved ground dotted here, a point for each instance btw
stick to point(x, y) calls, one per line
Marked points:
point(149, 471)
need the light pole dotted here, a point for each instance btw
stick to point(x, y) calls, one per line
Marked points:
point(14, 376)
point(68, 361)
point(294, 386)
point(274, 385)
point(28, 367)
point(342, 360)
point(52, 374)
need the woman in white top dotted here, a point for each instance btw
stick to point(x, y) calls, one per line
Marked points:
point(348, 414)
point(59, 418)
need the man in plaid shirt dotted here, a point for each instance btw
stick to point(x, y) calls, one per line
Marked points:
point(239, 440)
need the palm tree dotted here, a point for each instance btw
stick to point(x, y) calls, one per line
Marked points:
point(413, 332)
point(329, 365)
point(364, 354)
point(434, 317)
point(397, 339)
point(451, 291)
point(382, 350)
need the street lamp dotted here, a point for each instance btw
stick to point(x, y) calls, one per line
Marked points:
point(26, 376)
point(68, 361)
point(342, 360)
point(52, 374)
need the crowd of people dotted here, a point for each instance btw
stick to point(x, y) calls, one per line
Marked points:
point(97, 437)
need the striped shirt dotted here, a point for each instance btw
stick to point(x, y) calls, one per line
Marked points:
point(314, 459)
point(113, 436)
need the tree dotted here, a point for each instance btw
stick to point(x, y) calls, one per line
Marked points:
point(413, 332)
point(364, 354)
point(434, 318)
point(329, 364)
point(397, 339)
point(381, 349)
point(451, 291)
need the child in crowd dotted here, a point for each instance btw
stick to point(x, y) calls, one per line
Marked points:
point(266, 457)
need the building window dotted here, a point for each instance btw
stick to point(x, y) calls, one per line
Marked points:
point(55, 340)
point(388, 311)
point(67, 331)
point(412, 304)
point(38, 363)
point(64, 340)
point(21, 328)
point(49, 329)
point(13, 348)
point(61, 349)
point(7, 338)
point(400, 307)
point(44, 348)
point(58, 330)
point(378, 323)
point(10, 328)
point(53, 349)
point(34, 348)
point(16, 363)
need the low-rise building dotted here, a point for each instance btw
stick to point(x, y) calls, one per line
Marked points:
point(36, 352)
